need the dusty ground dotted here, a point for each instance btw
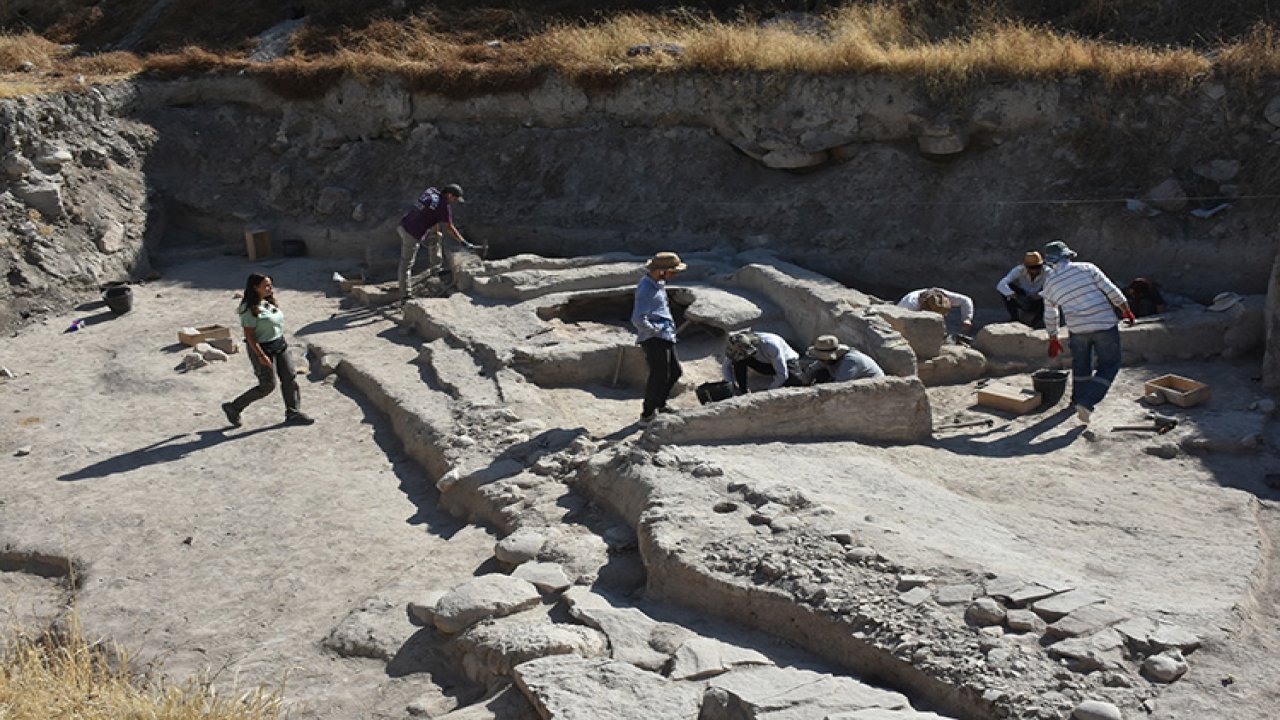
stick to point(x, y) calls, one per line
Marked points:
point(238, 550)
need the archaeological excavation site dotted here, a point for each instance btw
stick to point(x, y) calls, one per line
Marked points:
point(480, 524)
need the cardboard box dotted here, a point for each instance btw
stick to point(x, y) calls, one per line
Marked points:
point(1008, 398)
point(204, 333)
point(258, 243)
point(1181, 391)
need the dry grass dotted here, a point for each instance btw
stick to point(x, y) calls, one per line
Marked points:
point(63, 675)
point(949, 44)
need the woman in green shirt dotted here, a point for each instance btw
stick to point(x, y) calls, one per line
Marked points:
point(263, 325)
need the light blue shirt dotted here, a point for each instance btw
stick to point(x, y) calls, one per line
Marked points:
point(652, 314)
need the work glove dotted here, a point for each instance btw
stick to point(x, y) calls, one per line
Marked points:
point(1055, 347)
point(1128, 316)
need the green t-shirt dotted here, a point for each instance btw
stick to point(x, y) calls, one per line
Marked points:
point(267, 325)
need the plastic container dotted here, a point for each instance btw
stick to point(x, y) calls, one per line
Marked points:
point(1051, 384)
point(119, 298)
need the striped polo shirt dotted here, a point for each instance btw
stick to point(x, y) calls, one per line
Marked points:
point(1084, 293)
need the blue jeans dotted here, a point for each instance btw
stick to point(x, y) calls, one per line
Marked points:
point(1095, 361)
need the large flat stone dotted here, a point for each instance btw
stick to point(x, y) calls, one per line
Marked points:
point(791, 694)
point(704, 657)
point(496, 646)
point(568, 687)
point(483, 597)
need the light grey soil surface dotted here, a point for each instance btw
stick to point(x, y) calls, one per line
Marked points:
point(231, 550)
point(237, 551)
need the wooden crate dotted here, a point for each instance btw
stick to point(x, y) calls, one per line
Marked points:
point(204, 333)
point(258, 243)
point(1008, 398)
point(1181, 391)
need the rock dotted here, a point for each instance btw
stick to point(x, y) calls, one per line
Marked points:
point(791, 693)
point(634, 637)
point(786, 523)
point(373, 630)
point(792, 159)
point(844, 536)
point(1025, 621)
point(956, 594)
point(984, 611)
point(1165, 667)
point(226, 345)
point(567, 687)
point(23, 451)
point(1154, 398)
point(1272, 111)
point(520, 546)
point(422, 611)
point(861, 554)
point(1085, 621)
point(951, 144)
point(701, 657)
point(43, 196)
point(547, 577)
point(16, 166)
point(1168, 196)
point(906, 582)
point(1058, 606)
point(496, 646)
point(483, 597)
point(1096, 710)
point(211, 353)
point(915, 596)
point(55, 159)
point(1219, 171)
point(1095, 652)
point(1032, 593)
point(1170, 636)
point(1166, 451)
point(193, 360)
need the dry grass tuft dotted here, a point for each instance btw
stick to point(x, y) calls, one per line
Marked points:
point(63, 675)
point(28, 48)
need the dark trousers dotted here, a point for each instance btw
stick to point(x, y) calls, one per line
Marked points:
point(1095, 362)
point(1026, 310)
point(664, 371)
point(281, 365)
point(740, 368)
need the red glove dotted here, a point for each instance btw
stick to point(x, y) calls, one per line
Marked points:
point(1055, 347)
point(1128, 316)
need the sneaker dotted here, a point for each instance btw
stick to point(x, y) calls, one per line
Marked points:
point(233, 415)
point(1083, 413)
point(298, 419)
point(666, 409)
point(646, 419)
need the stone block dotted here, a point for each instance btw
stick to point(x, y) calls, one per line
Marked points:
point(791, 693)
point(952, 365)
point(701, 657)
point(568, 687)
point(483, 597)
point(1058, 606)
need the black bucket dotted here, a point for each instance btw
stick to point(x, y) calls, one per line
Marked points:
point(1050, 384)
point(293, 248)
point(119, 298)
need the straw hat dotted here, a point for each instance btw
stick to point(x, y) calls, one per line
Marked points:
point(934, 300)
point(827, 347)
point(1225, 301)
point(1033, 259)
point(665, 261)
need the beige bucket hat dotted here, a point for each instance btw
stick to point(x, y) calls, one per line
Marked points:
point(665, 261)
point(827, 347)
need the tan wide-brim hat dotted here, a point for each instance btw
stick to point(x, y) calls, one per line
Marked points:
point(1225, 301)
point(665, 261)
point(827, 347)
point(1033, 259)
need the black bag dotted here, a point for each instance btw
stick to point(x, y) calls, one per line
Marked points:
point(713, 391)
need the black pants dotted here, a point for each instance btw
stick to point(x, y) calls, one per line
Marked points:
point(281, 365)
point(740, 368)
point(1026, 310)
point(664, 371)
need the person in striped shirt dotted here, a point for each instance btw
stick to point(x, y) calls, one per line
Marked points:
point(1089, 300)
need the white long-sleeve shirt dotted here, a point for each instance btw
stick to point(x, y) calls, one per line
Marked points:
point(773, 350)
point(1020, 277)
point(1085, 294)
point(911, 301)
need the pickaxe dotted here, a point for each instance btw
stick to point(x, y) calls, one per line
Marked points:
point(971, 423)
point(1160, 425)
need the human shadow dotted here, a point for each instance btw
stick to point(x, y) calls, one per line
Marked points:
point(164, 451)
point(345, 319)
point(1019, 444)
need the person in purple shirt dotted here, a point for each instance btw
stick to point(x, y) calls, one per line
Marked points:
point(420, 226)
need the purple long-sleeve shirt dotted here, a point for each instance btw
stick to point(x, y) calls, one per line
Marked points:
point(429, 210)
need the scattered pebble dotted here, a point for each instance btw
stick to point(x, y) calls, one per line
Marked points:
point(23, 451)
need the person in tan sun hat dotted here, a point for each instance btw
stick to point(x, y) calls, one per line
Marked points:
point(656, 332)
point(831, 361)
point(1021, 288)
point(940, 301)
point(764, 352)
